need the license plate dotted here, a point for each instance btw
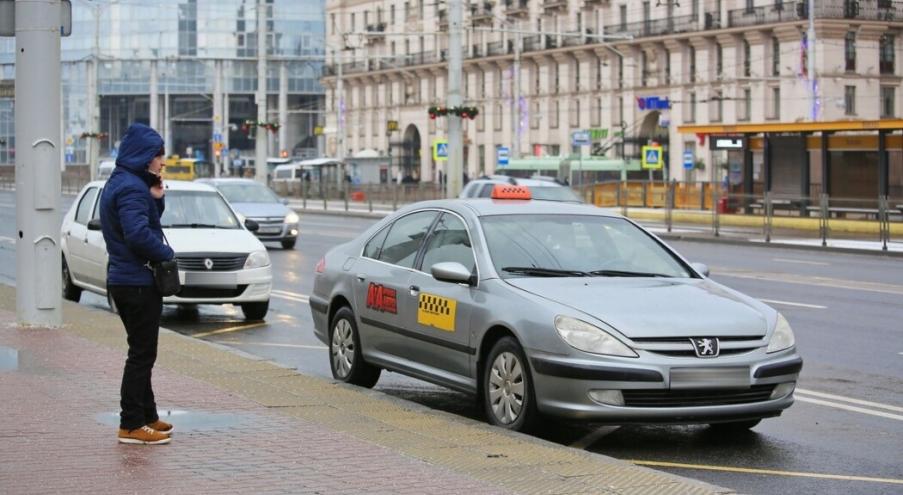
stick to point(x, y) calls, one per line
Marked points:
point(729, 377)
point(270, 230)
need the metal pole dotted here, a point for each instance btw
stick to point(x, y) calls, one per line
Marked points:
point(154, 97)
point(217, 114)
point(260, 141)
point(340, 113)
point(167, 135)
point(283, 110)
point(37, 120)
point(455, 161)
point(810, 58)
point(515, 103)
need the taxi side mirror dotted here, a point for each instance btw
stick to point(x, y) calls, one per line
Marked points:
point(701, 268)
point(251, 225)
point(451, 271)
point(94, 224)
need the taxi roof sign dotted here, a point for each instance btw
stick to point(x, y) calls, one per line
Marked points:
point(507, 191)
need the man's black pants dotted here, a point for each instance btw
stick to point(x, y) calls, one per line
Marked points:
point(139, 308)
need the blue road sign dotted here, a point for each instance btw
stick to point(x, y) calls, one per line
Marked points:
point(502, 153)
point(442, 150)
point(688, 159)
point(580, 138)
point(652, 157)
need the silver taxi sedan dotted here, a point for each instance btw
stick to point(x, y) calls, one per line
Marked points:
point(540, 307)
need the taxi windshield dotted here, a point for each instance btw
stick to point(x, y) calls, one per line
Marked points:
point(248, 193)
point(575, 245)
point(197, 209)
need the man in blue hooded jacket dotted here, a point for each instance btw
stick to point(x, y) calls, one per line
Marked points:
point(130, 210)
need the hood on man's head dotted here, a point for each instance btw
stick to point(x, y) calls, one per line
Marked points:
point(138, 147)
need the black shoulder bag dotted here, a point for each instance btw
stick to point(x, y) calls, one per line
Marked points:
point(166, 275)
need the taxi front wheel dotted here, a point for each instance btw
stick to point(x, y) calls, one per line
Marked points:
point(345, 357)
point(508, 397)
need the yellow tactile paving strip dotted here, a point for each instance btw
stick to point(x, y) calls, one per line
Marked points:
point(515, 462)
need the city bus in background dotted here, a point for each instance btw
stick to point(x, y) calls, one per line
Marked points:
point(178, 168)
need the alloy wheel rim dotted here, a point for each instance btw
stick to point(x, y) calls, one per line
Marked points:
point(342, 348)
point(506, 388)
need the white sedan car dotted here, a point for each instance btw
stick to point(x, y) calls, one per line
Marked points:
point(220, 260)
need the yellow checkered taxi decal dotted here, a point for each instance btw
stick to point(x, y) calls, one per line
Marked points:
point(436, 311)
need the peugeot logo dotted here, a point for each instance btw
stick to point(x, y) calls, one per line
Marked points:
point(705, 347)
point(208, 264)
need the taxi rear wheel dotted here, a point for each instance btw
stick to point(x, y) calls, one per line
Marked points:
point(508, 397)
point(345, 358)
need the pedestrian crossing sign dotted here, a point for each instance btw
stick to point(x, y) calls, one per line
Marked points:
point(440, 150)
point(652, 157)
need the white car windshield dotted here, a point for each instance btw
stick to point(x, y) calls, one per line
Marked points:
point(247, 193)
point(575, 245)
point(197, 209)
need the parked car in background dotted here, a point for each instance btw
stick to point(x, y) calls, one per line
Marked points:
point(220, 261)
point(105, 169)
point(544, 188)
point(278, 223)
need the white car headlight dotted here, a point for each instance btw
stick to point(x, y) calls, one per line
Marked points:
point(590, 338)
point(258, 259)
point(292, 218)
point(783, 336)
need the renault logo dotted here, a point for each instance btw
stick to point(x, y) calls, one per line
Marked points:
point(208, 264)
point(705, 347)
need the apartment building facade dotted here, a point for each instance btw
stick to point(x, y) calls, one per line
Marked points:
point(630, 72)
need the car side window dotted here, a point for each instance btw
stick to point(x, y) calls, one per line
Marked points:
point(83, 213)
point(405, 237)
point(96, 213)
point(448, 242)
point(486, 192)
point(371, 250)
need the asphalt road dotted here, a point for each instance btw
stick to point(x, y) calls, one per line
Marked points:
point(842, 436)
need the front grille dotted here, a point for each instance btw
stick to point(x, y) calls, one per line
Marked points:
point(221, 263)
point(190, 292)
point(696, 398)
point(681, 346)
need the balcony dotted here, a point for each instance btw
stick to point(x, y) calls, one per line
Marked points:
point(658, 27)
point(575, 38)
point(495, 48)
point(533, 43)
point(592, 3)
point(443, 20)
point(554, 6)
point(517, 8)
point(766, 14)
point(476, 51)
point(481, 14)
point(376, 33)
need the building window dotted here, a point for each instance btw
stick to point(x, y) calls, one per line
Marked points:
point(481, 120)
point(850, 51)
point(352, 22)
point(695, 9)
point(622, 11)
point(750, 6)
point(555, 82)
point(849, 100)
point(691, 112)
point(534, 116)
point(553, 120)
point(577, 76)
point(536, 85)
point(575, 113)
point(332, 22)
point(596, 113)
point(888, 101)
point(599, 65)
point(746, 111)
point(188, 28)
point(775, 57)
point(775, 103)
point(667, 66)
point(747, 59)
point(692, 64)
point(620, 72)
point(390, 97)
point(886, 54)
point(497, 118)
point(392, 14)
point(482, 85)
point(644, 70)
point(719, 60)
point(717, 106)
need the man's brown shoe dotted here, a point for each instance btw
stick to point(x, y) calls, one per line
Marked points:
point(161, 426)
point(143, 436)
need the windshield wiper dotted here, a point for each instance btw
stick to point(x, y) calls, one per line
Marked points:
point(625, 273)
point(193, 226)
point(545, 272)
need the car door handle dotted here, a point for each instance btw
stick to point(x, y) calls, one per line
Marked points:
point(361, 277)
point(414, 290)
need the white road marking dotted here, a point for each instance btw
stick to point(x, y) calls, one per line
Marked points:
point(810, 280)
point(788, 303)
point(593, 437)
point(273, 344)
point(731, 469)
point(801, 262)
point(290, 296)
point(845, 407)
point(229, 330)
point(851, 400)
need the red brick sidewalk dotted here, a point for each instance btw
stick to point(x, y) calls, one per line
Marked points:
point(59, 395)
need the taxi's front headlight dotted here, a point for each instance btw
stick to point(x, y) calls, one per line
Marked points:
point(590, 338)
point(783, 336)
point(292, 218)
point(258, 259)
